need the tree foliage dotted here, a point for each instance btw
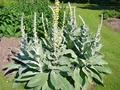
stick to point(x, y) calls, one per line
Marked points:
point(91, 1)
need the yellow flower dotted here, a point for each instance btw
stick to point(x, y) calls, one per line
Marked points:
point(56, 10)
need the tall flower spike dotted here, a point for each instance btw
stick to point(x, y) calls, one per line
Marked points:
point(97, 36)
point(24, 41)
point(55, 31)
point(71, 18)
point(22, 26)
point(34, 30)
point(82, 20)
point(45, 32)
point(56, 14)
point(63, 23)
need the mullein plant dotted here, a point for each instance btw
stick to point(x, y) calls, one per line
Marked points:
point(68, 59)
point(89, 65)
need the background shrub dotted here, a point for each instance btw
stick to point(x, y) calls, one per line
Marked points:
point(10, 17)
point(92, 1)
point(111, 13)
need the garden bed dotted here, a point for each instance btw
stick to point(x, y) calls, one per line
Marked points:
point(113, 23)
point(5, 45)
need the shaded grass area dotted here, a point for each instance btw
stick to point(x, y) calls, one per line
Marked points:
point(109, 38)
point(6, 85)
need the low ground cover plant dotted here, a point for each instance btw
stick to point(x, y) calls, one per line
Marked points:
point(66, 58)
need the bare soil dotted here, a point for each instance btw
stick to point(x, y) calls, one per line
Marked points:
point(113, 23)
point(6, 45)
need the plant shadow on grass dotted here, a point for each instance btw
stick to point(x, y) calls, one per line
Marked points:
point(1, 7)
point(99, 7)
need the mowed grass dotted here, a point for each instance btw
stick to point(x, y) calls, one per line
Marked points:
point(7, 2)
point(111, 41)
point(6, 85)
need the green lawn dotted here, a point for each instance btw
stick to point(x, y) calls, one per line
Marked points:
point(111, 41)
point(5, 85)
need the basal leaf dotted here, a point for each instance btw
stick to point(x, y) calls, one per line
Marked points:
point(88, 74)
point(60, 82)
point(11, 66)
point(64, 68)
point(97, 61)
point(12, 77)
point(26, 76)
point(103, 69)
point(15, 85)
point(21, 69)
point(76, 78)
point(55, 80)
point(63, 60)
point(38, 80)
point(65, 84)
point(69, 51)
point(33, 65)
point(96, 74)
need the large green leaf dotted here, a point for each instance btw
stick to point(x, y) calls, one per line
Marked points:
point(80, 79)
point(103, 69)
point(11, 66)
point(33, 65)
point(65, 69)
point(55, 80)
point(97, 61)
point(26, 76)
point(77, 79)
point(21, 69)
point(38, 80)
point(68, 51)
point(88, 74)
point(40, 50)
point(60, 82)
point(63, 60)
point(96, 74)
point(12, 77)
point(30, 53)
point(45, 86)
point(15, 85)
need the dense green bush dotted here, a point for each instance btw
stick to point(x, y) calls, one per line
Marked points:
point(68, 58)
point(10, 17)
point(111, 13)
point(92, 1)
point(9, 23)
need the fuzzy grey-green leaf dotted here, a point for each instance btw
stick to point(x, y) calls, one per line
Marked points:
point(38, 79)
